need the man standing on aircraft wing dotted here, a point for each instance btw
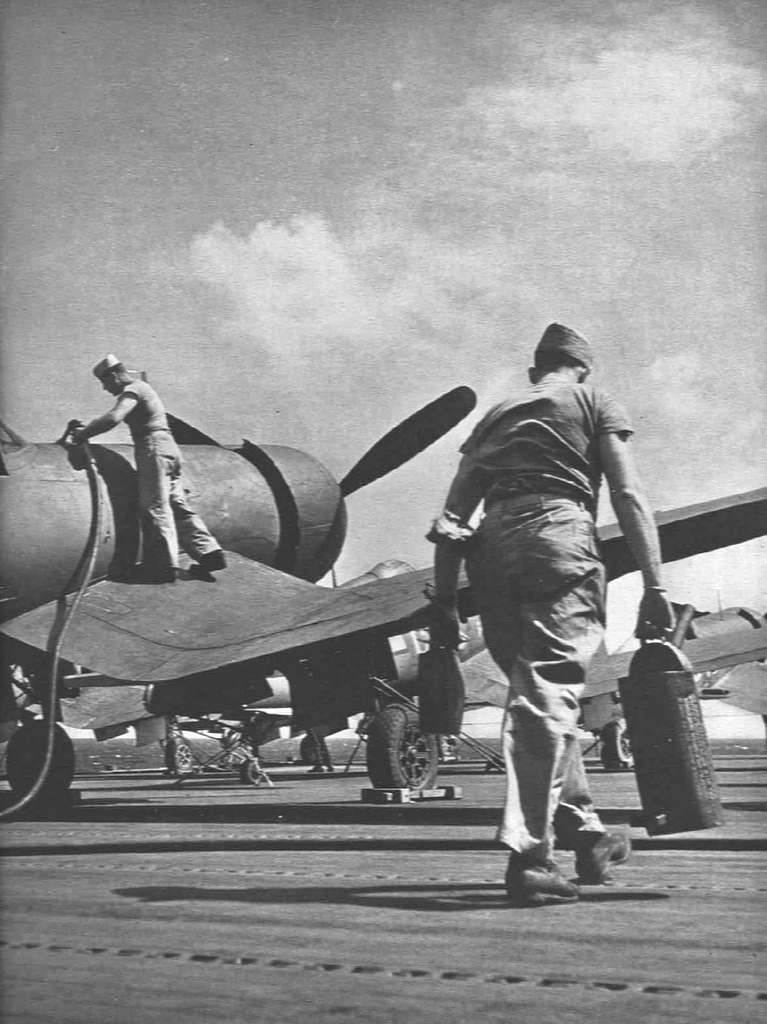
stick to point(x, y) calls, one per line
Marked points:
point(539, 581)
point(165, 516)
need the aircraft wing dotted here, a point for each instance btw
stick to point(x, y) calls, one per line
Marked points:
point(708, 654)
point(486, 683)
point(693, 529)
point(745, 687)
point(164, 632)
point(161, 632)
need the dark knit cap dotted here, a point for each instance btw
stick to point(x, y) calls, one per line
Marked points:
point(563, 341)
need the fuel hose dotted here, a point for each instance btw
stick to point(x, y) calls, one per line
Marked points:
point(65, 611)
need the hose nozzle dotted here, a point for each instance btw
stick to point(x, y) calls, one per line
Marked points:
point(65, 439)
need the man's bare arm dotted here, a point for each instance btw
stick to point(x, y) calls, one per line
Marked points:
point(450, 533)
point(636, 520)
point(467, 489)
point(631, 506)
point(101, 424)
point(465, 493)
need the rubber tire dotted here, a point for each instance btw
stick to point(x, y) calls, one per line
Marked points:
point(615, 753)
point(250, 774)
point(25, 755)
point(399, 755)
point(179, 759)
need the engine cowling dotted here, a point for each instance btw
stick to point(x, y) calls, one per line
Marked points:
point(273, 504)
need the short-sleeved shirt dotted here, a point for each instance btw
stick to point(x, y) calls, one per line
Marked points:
point(148, 415)
point(547, 443)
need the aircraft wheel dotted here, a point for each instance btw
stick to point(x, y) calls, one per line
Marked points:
point(615, 753)
point(399, 755)
point(25, 755)
point(179, 759)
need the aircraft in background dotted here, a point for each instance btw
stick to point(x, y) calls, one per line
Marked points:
point(720, 646)
point(724, 649)
point(209, 647)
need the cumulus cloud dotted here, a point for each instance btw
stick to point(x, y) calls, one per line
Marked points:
point(533, 197)
point(657, 88)
point(668, 105)
point(387, 290)
point(287, 284)
point(352, 329)
point(469, 242)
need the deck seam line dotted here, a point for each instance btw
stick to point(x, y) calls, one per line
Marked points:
point(442, 974)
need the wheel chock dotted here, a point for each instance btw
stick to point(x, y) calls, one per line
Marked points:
point(440, 793)
point(385, 796)
point(407, 796)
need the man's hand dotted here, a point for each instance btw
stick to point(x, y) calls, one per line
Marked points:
point(72, 435)
point(656, 616)
point(444, 626)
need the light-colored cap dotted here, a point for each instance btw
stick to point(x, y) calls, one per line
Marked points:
point(107, 363)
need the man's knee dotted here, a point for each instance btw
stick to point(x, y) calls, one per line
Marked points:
point(556, 718)
point(157, 510)
point(553, 720)
point(561, 673)
point(556, 698)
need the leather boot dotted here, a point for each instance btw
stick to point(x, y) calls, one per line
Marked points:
point(532, 880)
point(596, 851)
point(213, 561)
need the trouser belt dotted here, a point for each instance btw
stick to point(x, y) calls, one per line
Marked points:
point(528, 501)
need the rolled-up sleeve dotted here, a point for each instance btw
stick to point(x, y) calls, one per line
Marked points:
point(612, 418)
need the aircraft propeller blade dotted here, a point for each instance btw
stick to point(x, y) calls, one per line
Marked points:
point(409, 438)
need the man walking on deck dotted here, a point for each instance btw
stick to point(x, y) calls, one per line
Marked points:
point(539, 582)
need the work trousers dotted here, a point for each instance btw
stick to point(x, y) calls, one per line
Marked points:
point(540, 586)
point(165, 516)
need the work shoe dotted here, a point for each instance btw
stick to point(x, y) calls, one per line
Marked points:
point(197, 572)
point(596, 851)
point(531, 884)
point(122, 575)
point(213, 561)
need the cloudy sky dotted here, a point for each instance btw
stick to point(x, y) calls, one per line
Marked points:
point(307, 219)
